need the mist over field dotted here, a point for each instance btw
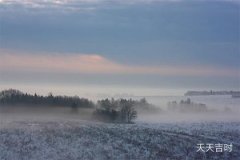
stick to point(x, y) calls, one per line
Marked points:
point(216, 112)
point(40, 132)
point(164, 127)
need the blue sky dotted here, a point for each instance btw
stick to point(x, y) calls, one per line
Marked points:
point(201, 35)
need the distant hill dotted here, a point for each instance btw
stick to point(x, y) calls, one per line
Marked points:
point(207, 93)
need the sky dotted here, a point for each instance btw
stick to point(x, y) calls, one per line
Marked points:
point(140, 47)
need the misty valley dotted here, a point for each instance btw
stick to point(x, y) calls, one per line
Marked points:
point(40, 127)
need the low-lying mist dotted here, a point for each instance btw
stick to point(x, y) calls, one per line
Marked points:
point(17, 106)
point(60, 114)
point(42, 113)
point(171, 117)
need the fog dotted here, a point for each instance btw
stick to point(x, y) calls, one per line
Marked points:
point(150, 109)
point(188, 117)
point(42, 114)
point(85, 115)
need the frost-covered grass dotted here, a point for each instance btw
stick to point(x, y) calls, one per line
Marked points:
point(90, 140)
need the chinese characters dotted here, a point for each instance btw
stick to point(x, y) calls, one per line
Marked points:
point(209, 147)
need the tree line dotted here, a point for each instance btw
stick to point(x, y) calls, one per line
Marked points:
point(108, 110)
point(187, 106)
point(16, 97)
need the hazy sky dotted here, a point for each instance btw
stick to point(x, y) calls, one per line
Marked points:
point(128, 46)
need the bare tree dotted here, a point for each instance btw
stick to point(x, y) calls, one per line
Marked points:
point(128, 113)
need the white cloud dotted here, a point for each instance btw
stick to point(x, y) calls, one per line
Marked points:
point(79, 5)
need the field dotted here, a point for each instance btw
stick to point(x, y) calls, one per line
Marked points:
point(86, 140)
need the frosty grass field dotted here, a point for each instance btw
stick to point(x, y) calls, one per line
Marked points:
point(92, 140)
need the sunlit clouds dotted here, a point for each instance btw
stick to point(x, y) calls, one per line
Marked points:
point(96, 64)
point(123, 43)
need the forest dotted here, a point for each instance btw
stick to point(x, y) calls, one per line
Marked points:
point(107, 110)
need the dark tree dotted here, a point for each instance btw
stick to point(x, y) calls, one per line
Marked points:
point(116, 110)
point(127, 112)
point(15, 97)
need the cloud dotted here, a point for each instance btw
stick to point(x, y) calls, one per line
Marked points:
point(66, 2)
point(96, 64)
point(48, 5)
point(68, 6)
